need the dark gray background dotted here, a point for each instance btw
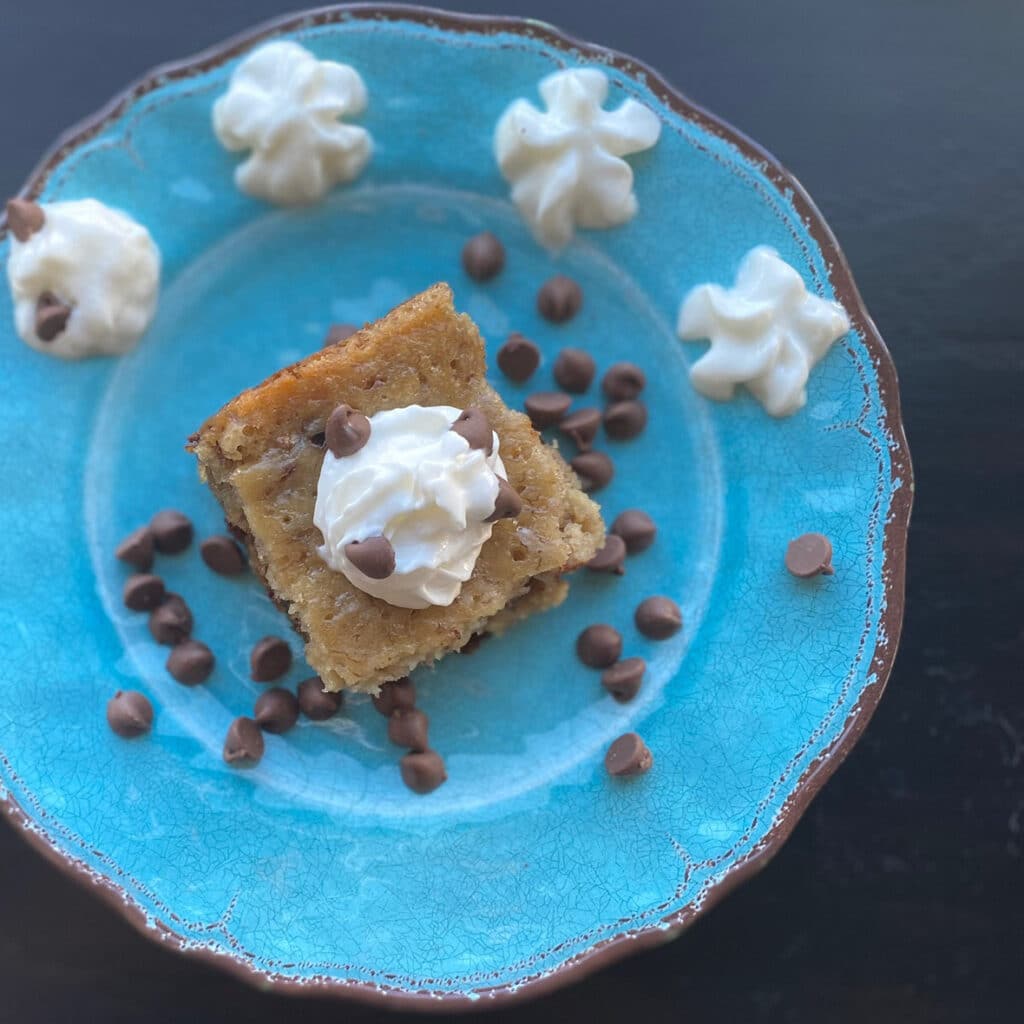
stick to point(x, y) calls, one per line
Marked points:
point(901, 895)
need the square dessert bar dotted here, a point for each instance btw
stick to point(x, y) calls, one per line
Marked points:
point(261, 455)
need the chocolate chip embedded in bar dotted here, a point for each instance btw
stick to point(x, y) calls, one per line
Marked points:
point(143, 592)
point(546, 408)
point(611, 556)
point(810, 555)
point(636, 528)
point(190, 662)
point(337, 333)
point(483, 256)
point(423, 771)
point(599, 646)
point(270, 659)
point(559, 299)
point(623, 381)
point(316, 703)
point(172, 531)
point(276, 710)
point(518, 358)
point(658, 618)
point(129, 713)
point(398, 694)
point(472, 425)
point(222, 555)
point(24, 218)
point(625, 420)
point(137, 549)
point(171, 622)
point(581, 427)
point(507, 505)
point(622, 680)
point(243, 745)
point(346, 432)
point(595, 470)
point(407, 727)
point(628, 755)
point(574, 370)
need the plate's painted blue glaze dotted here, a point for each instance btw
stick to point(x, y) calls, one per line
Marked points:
point(319, 864)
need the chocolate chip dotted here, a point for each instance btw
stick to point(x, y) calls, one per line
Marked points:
point(52, 316)
point(190, 662)
point(623, 381)
point(398, 694)
point(338, 333)
point(594, 469)
point(276, 710)
point(518, 358)
point(809, 555)
point(318, 704)
point(622, 680)
point(581, 427)
point(407, 727)
point(243, 745)
point(610, 557)
point(222, 555)
point(171, 622)
point(172, 531)
point(423, 772)
point(483, 256)
point(143, 592)
point(129, 713)
point(546, 408)
point(472, 645)
point(658, 618)
point(346, 431)
point(559, 299)
point(373, 557)
point(574, 370)
point(507, 505)
point(137, 549)
point(628, 755)
point(24, 218)
point(270, 659)
point(625, 420)
point(599, 646)
point(473, 425)
point(636, 528)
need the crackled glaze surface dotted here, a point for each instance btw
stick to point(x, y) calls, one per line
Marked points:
point(318, 868)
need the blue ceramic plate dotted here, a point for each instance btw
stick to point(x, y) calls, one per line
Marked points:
point(318, 870)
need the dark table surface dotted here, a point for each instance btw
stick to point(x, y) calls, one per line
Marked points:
point(900, 896)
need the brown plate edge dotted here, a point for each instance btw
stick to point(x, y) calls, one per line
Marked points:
point(897, 522)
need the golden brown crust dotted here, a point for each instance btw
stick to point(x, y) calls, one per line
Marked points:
point(258, 457)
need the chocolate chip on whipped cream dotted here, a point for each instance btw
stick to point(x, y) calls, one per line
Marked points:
point(810, 555)
point(276, 710)
point(407, 727)
point(401, 693)
point(423, 771)
point(623, 381)
point(318, 704)
point(269, 659)
point(172, 531)
point(625, 420)
point(373, 557)
point(483, 256)
point(243, 745)
point(52, 316)
point(581, 427)
point(143, 592)
point(129, 713)
point(610, 557)
point(599, 646)
point(595, 470)
point(190, 662)
point(472, 424)
point(622, 680)
point(559, 299)
point(574, 370)
point(546, 408)
point(347, 431)
point(137, 549)
point(518, 358)
point(628, 755)
point(24, 218)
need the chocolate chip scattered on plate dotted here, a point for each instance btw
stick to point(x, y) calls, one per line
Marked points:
point(547, 408)
point(190, 662)
point(810, 555)
point(483, 256)
point(628, 755)
point(625, 420)
point(276, 710)
point(129, 713)
point(316, 703)
point(636, 528)
point(407, 727)
point(581, 427)
point(401, 693)
point(610, 557)
point(622, 680)
point(171, 622)
point(559, 299)
point(243, 745)
point(143, 592)
point(574, 370)
point(518, 358)
point(137, 549)
point(222, 554)
point(599, 646)
point(172, 531)
point(623, 381)
point(270, 659)
point(423, 771)
point(595, 470)
point(658, 618)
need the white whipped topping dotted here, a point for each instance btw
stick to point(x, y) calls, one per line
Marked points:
point(284, 105)
point(766, 333)
point(420, 485)
point(565, 164)
point(98, 261)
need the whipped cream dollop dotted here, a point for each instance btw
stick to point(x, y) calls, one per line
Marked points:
point(284, 105)
point(565, 164)
point(84, 277)
point(418, 483)
point(766, 333)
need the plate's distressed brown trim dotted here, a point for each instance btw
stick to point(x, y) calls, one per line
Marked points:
point(894, 544)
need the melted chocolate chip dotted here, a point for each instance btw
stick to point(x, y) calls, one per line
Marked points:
point(373, 557)
point(129, 713)
point(622, 680)
point(270, 659)
point(628, 755)
point(222, 555)
point(407, 727)
point(611, 556)
point(810, 555)
point(171, 622)
point(24, 218)
point(507, 505)
point(625, 420)
point(243, 745)
point(52, 316)
point(137, 549)
point(473, 425)
point(190, 662)
point(518, 358)
point(172, 531)
point(276, 710)
point(574, 370)
point(658, 618)
point(483, 256)
point(636, 528)
point(318, 704)
point(398, 694)
point(623, 381)
point(599, 646)
point(559, 299)
point(346, 431)
point(337, 333)
point(143, 592)
point(594, 469)
point(423, 772)
point(546, 408)
point(581, 427)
